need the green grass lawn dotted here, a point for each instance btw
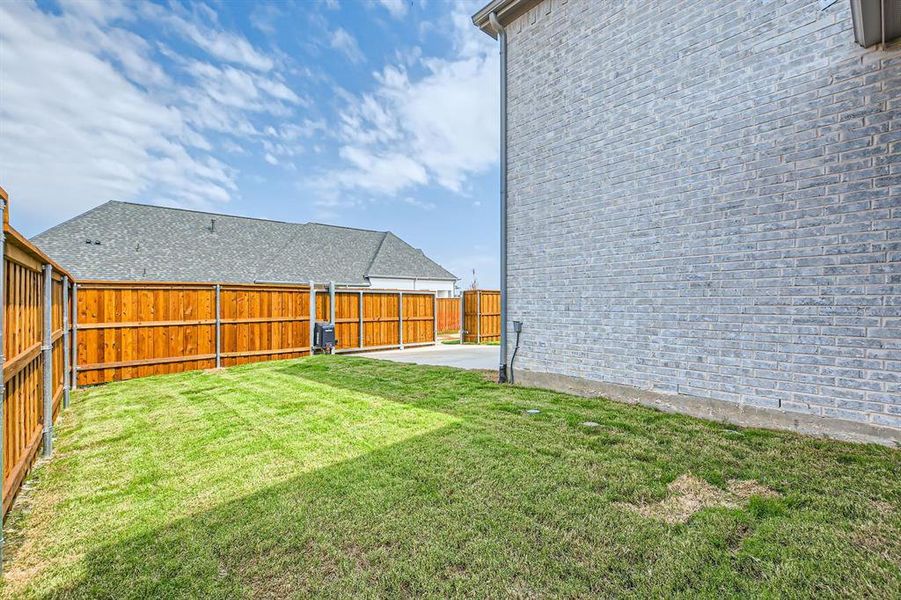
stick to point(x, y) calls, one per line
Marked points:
point(346, 477)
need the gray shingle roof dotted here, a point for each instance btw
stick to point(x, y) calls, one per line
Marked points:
point(152, 243)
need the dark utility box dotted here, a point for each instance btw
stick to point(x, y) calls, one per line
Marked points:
point(324, 335)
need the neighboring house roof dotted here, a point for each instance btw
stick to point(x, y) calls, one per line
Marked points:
point(125, 241)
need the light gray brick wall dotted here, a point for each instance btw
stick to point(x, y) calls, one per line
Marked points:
point(705, 198)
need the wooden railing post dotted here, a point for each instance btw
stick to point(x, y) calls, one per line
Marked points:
point(48, 360)
point(66, 339)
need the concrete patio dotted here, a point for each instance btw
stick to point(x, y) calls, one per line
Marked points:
point(465, 356)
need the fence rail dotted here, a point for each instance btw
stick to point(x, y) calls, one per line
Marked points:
point(481, 316)
point(135, 329)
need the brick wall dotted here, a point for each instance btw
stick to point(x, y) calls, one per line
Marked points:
point(705, 198)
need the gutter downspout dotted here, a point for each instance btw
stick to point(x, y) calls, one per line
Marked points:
point(502, 39)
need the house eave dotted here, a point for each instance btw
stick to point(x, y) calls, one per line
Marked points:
point(504, 10)
point(370, 275)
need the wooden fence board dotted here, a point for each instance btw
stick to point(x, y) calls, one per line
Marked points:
point(23, 368)
point(481, 316)
point(136, 329)
point(448, 315)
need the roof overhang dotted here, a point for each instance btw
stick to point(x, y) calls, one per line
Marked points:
point(875, 21)
point(504, 10)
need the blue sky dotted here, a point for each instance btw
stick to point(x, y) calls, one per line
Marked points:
point(379, 114)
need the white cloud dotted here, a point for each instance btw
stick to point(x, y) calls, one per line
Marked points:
point(264, 17)
point(419, 203)
point(397, 8)
point(441, 127)
point(347, 44)
point(88, 115)
point(217, 43)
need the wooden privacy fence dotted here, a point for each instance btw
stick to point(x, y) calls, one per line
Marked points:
point(134, 329)
point(58, 334)
point(448, 315)
point(35, 353)
point(481, 316)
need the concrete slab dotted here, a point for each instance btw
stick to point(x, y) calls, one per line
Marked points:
point(443, 355)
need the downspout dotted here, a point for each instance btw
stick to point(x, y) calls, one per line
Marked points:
point(502, 39)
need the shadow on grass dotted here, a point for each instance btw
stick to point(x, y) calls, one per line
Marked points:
point(430, 515)
point(500, 503)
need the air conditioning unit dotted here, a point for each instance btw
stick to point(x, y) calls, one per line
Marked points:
point(874, 19)
point(324, 336)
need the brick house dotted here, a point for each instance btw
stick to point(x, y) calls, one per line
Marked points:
point(703, 208)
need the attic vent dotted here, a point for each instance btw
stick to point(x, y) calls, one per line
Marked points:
point(94, 242)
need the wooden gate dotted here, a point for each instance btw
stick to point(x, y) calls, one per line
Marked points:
point(448, 315)
point(481, 316)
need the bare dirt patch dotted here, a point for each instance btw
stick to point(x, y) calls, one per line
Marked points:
point(689, 494)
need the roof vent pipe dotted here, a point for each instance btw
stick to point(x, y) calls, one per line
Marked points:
point(502, 39)
point(212, 225)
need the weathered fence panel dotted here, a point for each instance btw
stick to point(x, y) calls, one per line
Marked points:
point(23, 361)
point(481, 316)
point(448, 315)
point(135, 329)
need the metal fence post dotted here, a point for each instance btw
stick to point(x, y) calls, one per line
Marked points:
point(400, 318)
point(48, 360)
point(2, 363)
point(66, 338)
point(218, 326)
point(312, 315)
point(479, 317)
point(435, 317)
point(361, 320)
point(74, 385)
point(331, 308)
point(462, 316)
point(331, 302)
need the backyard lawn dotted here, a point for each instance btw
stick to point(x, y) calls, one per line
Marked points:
point(342, 476)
